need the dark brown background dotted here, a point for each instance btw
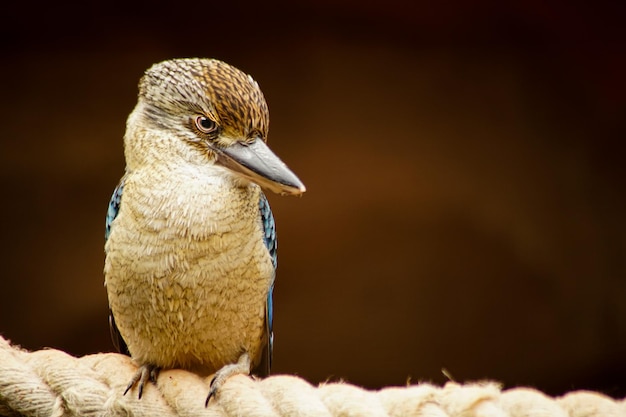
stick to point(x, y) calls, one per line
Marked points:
point(464, 164)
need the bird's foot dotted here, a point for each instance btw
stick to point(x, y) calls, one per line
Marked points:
point(144, 374)
point(241, 367)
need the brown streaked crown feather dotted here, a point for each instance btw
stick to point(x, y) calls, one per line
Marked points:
point(212, 87)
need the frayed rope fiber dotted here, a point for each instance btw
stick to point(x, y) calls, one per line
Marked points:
point(52, 383)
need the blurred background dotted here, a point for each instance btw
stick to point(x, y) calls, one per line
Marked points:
point(464, 164)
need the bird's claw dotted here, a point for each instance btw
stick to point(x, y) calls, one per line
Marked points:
point(241, 367)
point(144, 374)
point(212, 391)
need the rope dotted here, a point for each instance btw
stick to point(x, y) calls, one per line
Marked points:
point(52, 383)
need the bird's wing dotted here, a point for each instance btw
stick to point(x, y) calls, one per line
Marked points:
point(269, 238)
point(114, 208)
point(112, 211)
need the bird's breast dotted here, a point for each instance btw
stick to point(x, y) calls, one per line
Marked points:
point(187, 272)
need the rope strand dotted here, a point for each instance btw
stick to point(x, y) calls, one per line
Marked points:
point(52, 383)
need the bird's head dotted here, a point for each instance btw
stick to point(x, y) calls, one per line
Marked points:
point(210, 112)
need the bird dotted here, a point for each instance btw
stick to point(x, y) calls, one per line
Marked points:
point(190, 239)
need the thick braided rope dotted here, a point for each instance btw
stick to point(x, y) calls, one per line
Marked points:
point(53, 383)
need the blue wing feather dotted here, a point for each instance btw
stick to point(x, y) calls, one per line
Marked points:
point(269, 228)
point(114, 208)
point(112, 211)
point(269, 238)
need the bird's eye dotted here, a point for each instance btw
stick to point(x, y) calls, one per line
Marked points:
point(206, 125)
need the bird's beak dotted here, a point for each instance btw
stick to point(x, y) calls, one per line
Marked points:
point(257, 163)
